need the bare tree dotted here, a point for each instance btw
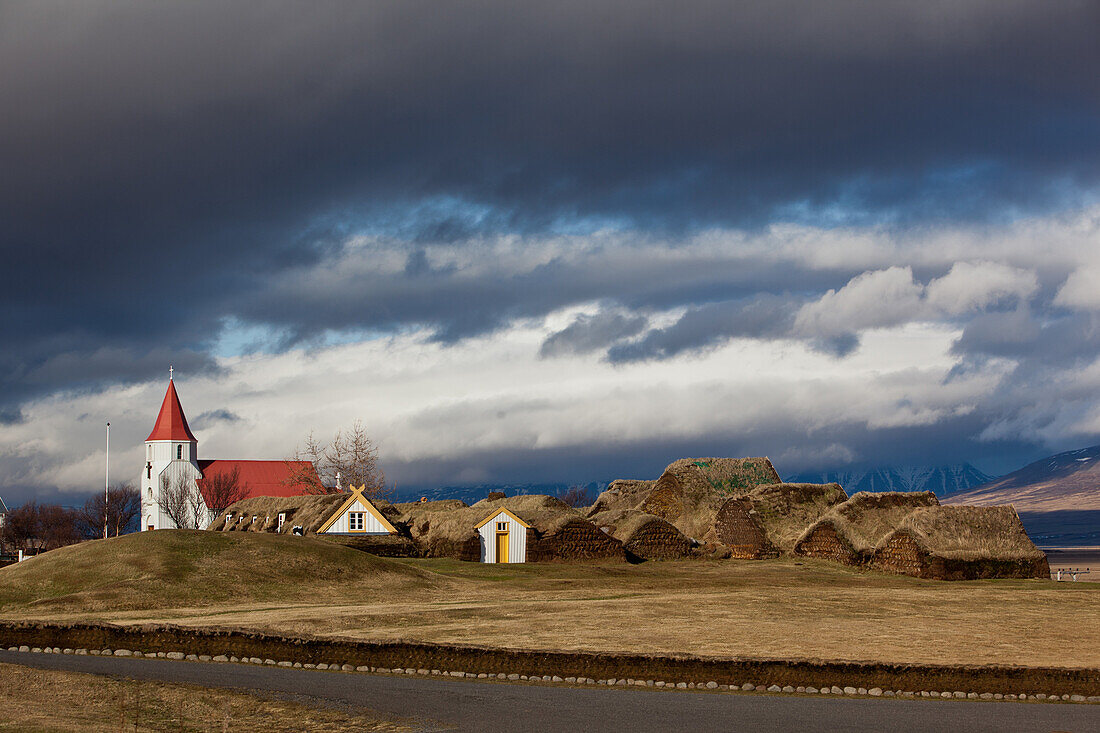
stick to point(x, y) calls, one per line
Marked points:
point(23, 528)
point(576, 496)
point(351, 454)
point(34, 527)
point(123, 505)
point(197, 507)
point(181, 501)
point(222, 489)
point(59, 526)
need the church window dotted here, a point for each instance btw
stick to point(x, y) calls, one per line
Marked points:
point(149, 471)
point(179, 451)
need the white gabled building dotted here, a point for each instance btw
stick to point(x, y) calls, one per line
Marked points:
point(357, 516)
point(503, 537)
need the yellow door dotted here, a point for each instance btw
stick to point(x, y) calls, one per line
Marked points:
point(502, 547)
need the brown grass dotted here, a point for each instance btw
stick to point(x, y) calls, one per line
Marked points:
point(971, 533)
point(866, 519)
point(785, 510)
point(33, 700)
point(691, 490)
point(447, 528)
point(199, 568)
point(785, 608)
point(621, 494)
point(309, 512)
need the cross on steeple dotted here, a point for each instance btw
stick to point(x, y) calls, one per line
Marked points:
point(169, 372)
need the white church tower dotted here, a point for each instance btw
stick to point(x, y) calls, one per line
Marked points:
point(171, 455)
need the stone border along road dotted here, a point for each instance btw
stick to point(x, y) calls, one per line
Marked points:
point(611, 667)
point(429, 703)
point(746, 687)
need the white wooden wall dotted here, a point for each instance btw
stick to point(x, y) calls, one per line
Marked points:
point(517, 539)
point(371, 524)
point(162, 454)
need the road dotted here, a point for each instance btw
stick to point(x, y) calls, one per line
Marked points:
point(441, 704)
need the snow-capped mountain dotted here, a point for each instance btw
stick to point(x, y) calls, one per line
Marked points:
point(942, 480)
point(1067, 481)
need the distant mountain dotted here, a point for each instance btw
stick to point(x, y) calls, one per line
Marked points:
point(942, 480)
point(474, 494)
point(1067, 481)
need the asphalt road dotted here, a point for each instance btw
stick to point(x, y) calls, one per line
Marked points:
point(442, 704)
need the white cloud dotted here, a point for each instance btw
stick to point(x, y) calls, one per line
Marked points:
point(890, 297)
point(430, 405)
point(971, 286)
point(1081, 289)
point(871, 300)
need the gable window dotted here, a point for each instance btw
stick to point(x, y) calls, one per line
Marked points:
point(356, 521)
point(502, 526)
point(179, 451)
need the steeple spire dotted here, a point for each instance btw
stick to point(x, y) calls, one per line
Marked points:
point(171, 422)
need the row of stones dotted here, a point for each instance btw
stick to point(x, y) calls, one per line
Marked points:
point(746, 687)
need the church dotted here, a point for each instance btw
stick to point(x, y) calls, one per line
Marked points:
point(172, 458)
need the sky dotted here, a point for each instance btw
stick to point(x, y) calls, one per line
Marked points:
point(549, 242)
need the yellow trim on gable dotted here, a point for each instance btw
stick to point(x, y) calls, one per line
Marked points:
point(496, 512)
point(357, 496)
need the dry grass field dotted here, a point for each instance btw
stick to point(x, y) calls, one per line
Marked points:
point(785, 609)
point(41, 701)
point(776, 608)
point(189, 567)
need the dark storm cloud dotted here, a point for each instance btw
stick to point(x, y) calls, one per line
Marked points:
point(1054, 342)
point(588, 333)
point(347, 292)
point(763, 316)
point(213, 417)
point(793, 449)
point(167, 165)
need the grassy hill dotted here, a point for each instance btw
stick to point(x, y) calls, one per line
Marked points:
point(189, 568)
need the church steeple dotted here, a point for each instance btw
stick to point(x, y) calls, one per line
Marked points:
point(171, 423)
point(171, 455)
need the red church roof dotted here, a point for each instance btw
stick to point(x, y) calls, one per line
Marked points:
point(171, 423)
point(263, 478)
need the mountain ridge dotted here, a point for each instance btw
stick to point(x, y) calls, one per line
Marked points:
point(1068, 481)
point(941, 480)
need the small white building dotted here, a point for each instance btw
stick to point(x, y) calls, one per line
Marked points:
point(503, 537)
point(357, 516)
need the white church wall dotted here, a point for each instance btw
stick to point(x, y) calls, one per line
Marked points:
point(151, 487)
